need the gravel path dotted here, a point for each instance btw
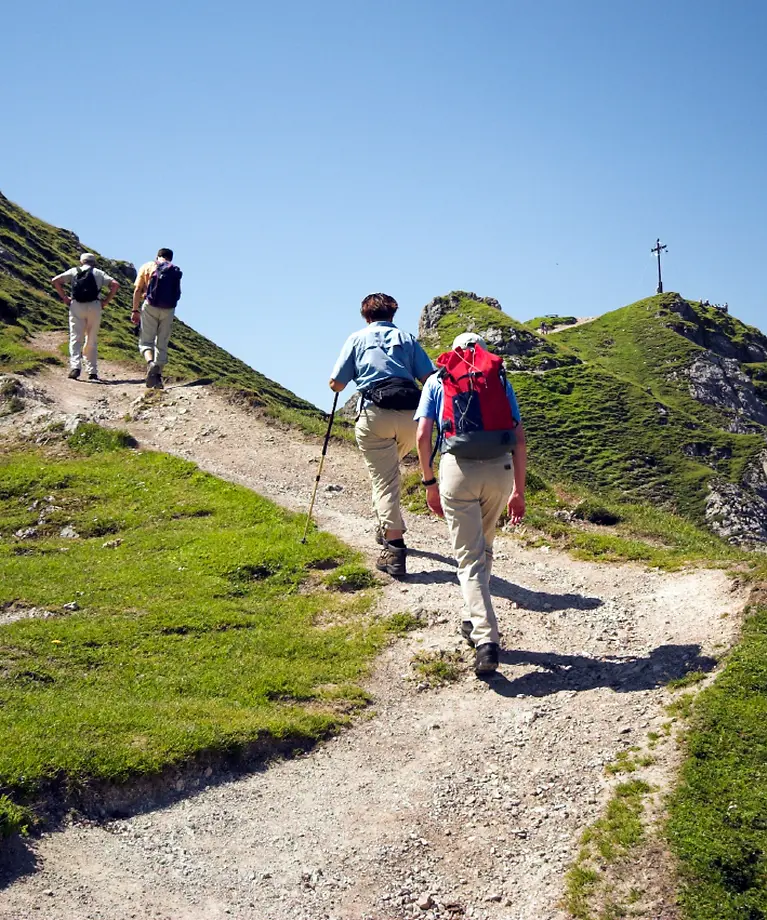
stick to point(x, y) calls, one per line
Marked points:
point(463, 801)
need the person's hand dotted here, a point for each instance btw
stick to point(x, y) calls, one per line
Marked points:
point(434, 501)
point(135, 317)
point(516, 507)
point(68, 301)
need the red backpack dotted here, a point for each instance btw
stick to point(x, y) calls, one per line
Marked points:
point(476, 416)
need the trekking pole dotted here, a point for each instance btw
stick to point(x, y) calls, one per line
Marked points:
point(319, 471)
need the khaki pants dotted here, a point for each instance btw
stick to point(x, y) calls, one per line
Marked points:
point(154, 335)
point(84, 322)
point(473, 494)
point(384, 436)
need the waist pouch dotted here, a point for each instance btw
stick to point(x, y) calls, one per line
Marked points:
point(394, 393)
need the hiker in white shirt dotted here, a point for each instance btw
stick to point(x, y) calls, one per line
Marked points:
point(85, 306)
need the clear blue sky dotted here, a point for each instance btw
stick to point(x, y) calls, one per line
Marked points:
point(298, 155)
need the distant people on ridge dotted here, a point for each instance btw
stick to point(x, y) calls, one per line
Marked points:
point(481, 471)
point(85, 308)
point(157, 291)
point(384, 362)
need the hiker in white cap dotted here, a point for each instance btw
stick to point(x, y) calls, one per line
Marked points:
point(85, 308)
point(482, 470)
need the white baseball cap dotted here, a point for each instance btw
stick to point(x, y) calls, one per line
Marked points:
point(88, 257)
point(468, 338)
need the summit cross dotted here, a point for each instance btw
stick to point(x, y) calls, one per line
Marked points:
point(658, 249)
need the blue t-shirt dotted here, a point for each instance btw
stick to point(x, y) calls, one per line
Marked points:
point(378, 351)
point(432, 398)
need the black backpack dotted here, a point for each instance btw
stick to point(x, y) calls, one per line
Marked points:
point(164, 288)
point(84, 286)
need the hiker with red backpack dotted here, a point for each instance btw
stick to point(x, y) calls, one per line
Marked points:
point(85, 308)
point(157, 291)
point(482, 469)
point(384, 362)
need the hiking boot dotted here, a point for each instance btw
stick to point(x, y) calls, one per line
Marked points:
point(392, 560)
point(486, 660)
point(153, 378)
point(93, 376)
point(74, 373)
point(466, 628)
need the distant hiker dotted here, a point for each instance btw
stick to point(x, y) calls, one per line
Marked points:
point(157, 291)
point(384, 362)
point(84, 312)
point(482, 469)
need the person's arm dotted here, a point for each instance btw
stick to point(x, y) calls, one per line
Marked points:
point(423, 445)
point(516, 503)
point(58, 283)
point(345, 367)
point(113, 285)
point(336, 386)
point(139, 291)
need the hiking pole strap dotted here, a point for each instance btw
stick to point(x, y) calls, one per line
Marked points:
point(319, 470)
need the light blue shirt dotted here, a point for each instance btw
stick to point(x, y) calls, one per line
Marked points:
point(432, 399)
point(378, 351)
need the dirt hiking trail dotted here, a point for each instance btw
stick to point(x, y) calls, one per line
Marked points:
point(465, 801)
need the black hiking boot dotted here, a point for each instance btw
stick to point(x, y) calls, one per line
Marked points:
point(486, 660)
point(93, 376)
point(392, 560)
point(466, 628)
point(74, 373)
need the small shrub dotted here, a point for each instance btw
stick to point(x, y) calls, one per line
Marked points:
point(438, 667)
point(13, 818)
point(351, 577)
point(404, 622)
point(595, 513)
point(91, 439)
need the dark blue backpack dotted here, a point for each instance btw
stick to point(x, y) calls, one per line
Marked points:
point(164, 288)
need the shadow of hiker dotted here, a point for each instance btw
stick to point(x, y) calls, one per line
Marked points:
point(118, 383)
point(541, 601)
point(579, 672)
point(535, 601)
point(437, 557)
point(17, 858)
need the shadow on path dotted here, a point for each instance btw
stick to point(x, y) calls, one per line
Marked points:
point(578, 672)
point(17, 858)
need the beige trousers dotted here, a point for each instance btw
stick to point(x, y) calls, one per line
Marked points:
point(384, 436)
point(154, 336)
point(473, 494)
point(84, 322)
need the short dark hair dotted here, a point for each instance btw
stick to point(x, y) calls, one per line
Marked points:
point(165, 254)
point(378, 307)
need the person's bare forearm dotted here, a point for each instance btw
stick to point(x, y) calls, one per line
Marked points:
point(424, 448)
point(112, 291)
point(520, 462)
point(60, 291)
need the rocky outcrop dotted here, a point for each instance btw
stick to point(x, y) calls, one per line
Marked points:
point(523, 349)
point(433, 312)
point(749, 345)
point(720, 382)
point(737, 515)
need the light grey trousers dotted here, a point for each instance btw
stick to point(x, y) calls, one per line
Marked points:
point(154, 334)
point(473, 494)
point(84, 323)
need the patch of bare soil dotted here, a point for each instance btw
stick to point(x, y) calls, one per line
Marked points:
point(462, 801)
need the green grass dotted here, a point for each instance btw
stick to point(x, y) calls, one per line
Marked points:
point(589, 882)
point(440, 667)
point(201, 623)
point(718, 824)
point(404, 622)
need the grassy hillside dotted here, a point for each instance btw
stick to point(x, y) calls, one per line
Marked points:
point(653, 342)
point(603, 411)
point(152, 632)
point(32, 252)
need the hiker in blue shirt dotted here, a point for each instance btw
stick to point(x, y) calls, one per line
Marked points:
point(470, 495)
point(384, 362)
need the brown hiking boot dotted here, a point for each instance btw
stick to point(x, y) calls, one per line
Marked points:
point(392, 560)
point(153, 378)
